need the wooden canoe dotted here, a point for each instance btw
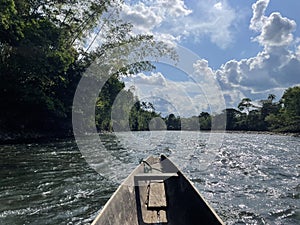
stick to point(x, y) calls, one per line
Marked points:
point(157, 192)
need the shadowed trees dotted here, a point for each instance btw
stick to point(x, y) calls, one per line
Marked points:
point(287, 116)
point(42, 60)
point(266, 115)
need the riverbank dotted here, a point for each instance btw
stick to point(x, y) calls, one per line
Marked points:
point(9, 137)
point(265, 132)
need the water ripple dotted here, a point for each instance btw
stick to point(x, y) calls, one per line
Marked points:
point(251, 179)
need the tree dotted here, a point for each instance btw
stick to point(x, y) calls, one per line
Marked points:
point(291, 109)
point(105, 102)
point(141, 118)
point(267, 108)
point(291, 101)
point(42, 59)
point(205, 121)
point(255, 122)
point(173, 122)
point(275, 122)
point(232, 117)
point(284, 116)
point(34, 65)
point(191, 123)
point(245, 105)
point(271, 97)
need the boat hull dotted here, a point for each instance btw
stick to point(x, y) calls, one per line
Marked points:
point(179, 202)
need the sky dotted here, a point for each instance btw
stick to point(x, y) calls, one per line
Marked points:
point(234, 48)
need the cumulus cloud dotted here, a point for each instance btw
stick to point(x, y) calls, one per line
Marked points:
point(185, 98)
point(173, 8)
point(271, 70)
point(266, 71)
point(276, 67)
point(298, 53)
point(148, 15)
point(258, 17)
point(216, 21)
point(277, 31)
point(155, 79)
point(201, 67)
point(174, 19)
point(143, 17)
point(256, 77)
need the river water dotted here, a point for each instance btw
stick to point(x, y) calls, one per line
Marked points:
point(247, 178)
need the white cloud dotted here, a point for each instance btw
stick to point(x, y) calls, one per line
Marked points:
point(172, 18)
point(205, 77)
point(256, 77)
point(173, 8)
point(276, 67)
point(218, 6)
point(202, 68)
point(277, 31)
point(167, 38)
point(185, 98)
point(155, 79)
point(298, 53)
point(144, 18)
point(214, 19)
point(258, 18)
point(271, 70)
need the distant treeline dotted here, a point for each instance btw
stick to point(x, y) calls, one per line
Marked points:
point(266, 115)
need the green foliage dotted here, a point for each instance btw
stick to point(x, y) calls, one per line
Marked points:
point(290, 111)
point(255, 122)
point(275, 122)
point(205, 121)
point(232, 118)
point(173, 122)
point(191, 124)
point(291, 102)
point(105, 102)
point(7, 12)
point(42, 61)
point(33, 68)
point(141, 115)
point(282, 116)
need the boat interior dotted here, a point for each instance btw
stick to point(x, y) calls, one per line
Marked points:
point(157, 193)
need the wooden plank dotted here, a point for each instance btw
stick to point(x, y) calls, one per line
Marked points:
point(154, 176)
point(157, 195)
point(150, 215)
point(154, 217)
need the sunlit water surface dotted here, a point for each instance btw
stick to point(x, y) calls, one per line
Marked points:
point(247, 178)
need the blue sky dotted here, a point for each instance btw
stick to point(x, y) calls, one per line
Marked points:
point(246, 48)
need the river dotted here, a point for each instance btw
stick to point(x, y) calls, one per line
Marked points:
point(248, 178)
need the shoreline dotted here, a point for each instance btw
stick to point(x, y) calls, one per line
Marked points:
point(31, 137)
point(265, 132)
point(36, 137)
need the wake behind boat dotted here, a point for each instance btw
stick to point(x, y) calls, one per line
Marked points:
point(157, 192)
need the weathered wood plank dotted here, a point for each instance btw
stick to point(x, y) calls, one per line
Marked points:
point(157, 195)
point(154, 217)
point(154, 176)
